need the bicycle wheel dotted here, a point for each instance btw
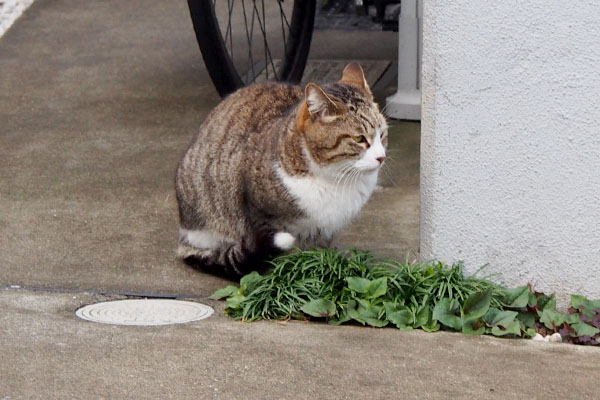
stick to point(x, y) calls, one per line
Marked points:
point(248, 41)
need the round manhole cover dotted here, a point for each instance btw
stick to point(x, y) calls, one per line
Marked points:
point(144, 312)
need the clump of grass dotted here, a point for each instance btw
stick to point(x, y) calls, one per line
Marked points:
point(308, 275)
point(354, 287)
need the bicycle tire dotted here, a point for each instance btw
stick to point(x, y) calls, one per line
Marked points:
point(219, 64)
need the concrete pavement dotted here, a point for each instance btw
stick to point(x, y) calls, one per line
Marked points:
point(98, 101)
point(48, 353)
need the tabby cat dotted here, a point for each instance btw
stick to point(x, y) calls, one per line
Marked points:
point(274, 167)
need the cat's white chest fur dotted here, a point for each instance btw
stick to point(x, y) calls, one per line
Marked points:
point(327, 206)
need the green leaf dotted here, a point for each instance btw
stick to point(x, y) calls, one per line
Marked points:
point(549, 316)
point(495, 317)
point(249, 279)
point(584, 329)
point(423, 316)
point(527, 318)
point(402, 319)
point(546, 302)
point(473, 326)
point(319, 308)
point(578, 301)
point(369, 312)
point(517, 297)
point(376, 322)
point(343, 318)
point(390, 307)
point(572, 319)
point(235, 301)
point(593, 304)
point(357, 284)
point(477, 305)
point(533, 300)
point(376, 288)
point(433, 326)
point(445, 312)
point(225, 292)
point(353, 312)
point(530, 332)
point(364, 303)
point(513, 328)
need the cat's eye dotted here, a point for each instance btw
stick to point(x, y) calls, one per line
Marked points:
point(360, 139)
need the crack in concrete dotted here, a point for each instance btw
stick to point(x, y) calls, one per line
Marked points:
point(129, 294)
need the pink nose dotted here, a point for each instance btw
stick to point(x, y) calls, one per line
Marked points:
point(380, 159)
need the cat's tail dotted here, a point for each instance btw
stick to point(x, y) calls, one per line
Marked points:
point(235, 259)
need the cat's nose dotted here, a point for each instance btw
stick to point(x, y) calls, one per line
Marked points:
point(380, 159)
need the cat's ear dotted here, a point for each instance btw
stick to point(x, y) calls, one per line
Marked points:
point(353, 74)
point(318, 103)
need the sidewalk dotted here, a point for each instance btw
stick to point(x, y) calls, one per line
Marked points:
point(98, 101)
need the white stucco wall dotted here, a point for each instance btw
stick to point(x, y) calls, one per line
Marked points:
point(510, 171)
point(10, 11)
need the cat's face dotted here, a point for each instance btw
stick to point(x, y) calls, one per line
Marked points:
point(342, 125)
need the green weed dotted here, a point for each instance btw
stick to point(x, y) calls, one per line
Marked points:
point(353, 286)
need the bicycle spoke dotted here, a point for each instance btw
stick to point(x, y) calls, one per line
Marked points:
point(228, 31)
point(287, 22)
point(282, 16)
point(266, 63)
point(268, 56)
point(266, 47)
point(248, 37)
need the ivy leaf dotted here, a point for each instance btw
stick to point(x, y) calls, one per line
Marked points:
point(577, 301)
point(473, 326)
point(353, 312)
point(365, 312)
point(376, 288)
point(584, 329)
point(235, 301)
point(527, 318)
point(533, 300)
point(445, 312)
point(390, 307)
point(530, 332)
point(572, 319)
point(432, 326)
point(423, 316)
point(582, 301)
point(342, 318)
point(357, 284)
point(369, 312)
point(594, 305)
point(225, 292)
point(517, 297)
point(546, 302)
point(513, 328)
point(496, 317)
point(402, 319)
point(378, 323)
point(319, 308)
point(551, 318)
point(477, 304)
point(249, 279)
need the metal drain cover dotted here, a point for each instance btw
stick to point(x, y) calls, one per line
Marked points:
point(144, 312)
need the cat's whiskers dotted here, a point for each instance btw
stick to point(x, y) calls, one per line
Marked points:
point(348, 178)
point(346, 168)
point(389, 175)
point(354, 179)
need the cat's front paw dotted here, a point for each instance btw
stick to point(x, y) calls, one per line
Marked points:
point(284, 240)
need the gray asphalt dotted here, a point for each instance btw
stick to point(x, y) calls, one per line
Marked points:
point(98, 101)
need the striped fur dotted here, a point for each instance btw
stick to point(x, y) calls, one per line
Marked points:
point(266, 166)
